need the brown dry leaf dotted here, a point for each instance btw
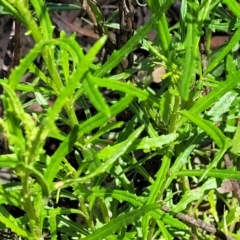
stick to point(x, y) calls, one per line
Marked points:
point(157, 73)
point(226, 187)
point(218, 41)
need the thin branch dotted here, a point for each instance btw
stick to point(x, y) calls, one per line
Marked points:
point(200, 224)
point(8, 55)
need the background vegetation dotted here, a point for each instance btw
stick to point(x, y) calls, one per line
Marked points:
point(146, 161)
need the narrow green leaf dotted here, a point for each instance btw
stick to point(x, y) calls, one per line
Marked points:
point(8, 8)
point(91, 89)
point(75, 227)
point(127, 88)
point(233, 6)
point(205, 102)
point(146, 144)
point(166, 106)
point(61, 7)
point(214, 162)
point(18, 71)
point(41, 180)
point(15, 115)
point(14, 228)
point(77, 131)
point(222, 105)
point(106, 166)
point(164, 230)
point(217, 25)
point(8, 160)
point(100, 119)
point(161, 175)
point(215, 173)
point(143, 118)
point(121, 221)
point(90, 156)
point(183, 157)
point(77, 76)
point(64, 55)
point(214, 132)
point(162, 25)
point(191, 48)
point(64, 148)
point(231, 44)
point(53, 224)
point(155, 192)
point(43, 19)
point(11, 223)
point(193, 195)
point(136, 201)
point(3, 11)
point(10, 193)
point(129, 127)
point(97, 11)
point(40, 99)
point(102, 131)
point(119, 55)
point(236, 142)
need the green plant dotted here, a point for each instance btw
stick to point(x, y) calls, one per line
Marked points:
point(168, 126)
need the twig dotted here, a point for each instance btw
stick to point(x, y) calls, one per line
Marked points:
point(126, 19)
point(12, 55)
point(200, 224)
point(8, 55)
point(81, 31)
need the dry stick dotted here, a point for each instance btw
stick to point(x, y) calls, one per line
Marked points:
point(8, 55)
point(12, 55)
point(98, 26)
point(126, 15)
point(81, 31)
point(235, 183)
point(200, 224)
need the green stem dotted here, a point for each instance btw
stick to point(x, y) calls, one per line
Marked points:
point(28, 206)
point(173, 119)
point(162, 25)
point(84, 210)
point(104, 210)
point(45, 32)
point(152, 229)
